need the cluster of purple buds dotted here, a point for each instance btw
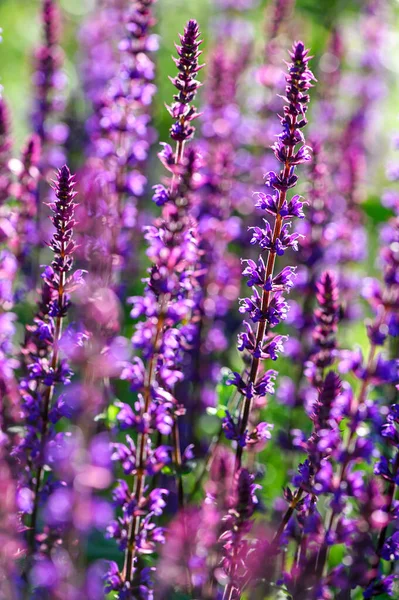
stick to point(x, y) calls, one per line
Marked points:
point(327, 315)
point(186, 84)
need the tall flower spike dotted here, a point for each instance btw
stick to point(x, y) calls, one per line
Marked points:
point(45, 369)
point(327, 315)
point(373, 371)
point(120, 137)
point(27, 191)
point(267, 306)
point(162, 339)
point(326, 416)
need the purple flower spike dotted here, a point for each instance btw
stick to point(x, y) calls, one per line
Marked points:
point(267, 306)
point(327, 316)
point(120, 137)
point(45, 369)
point(162, 339)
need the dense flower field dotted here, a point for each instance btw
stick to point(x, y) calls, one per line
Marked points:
point(199, 323)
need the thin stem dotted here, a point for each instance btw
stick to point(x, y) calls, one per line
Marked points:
point(178, 158)
point(178, 463)
point(210, 453)
point(228, 592)
point(288, 514)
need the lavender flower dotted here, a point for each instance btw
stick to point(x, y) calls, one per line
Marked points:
point(120, 140)
point(162, 338)
point(324, 335)
point(267, 304)
point(27, 193)
point(45, 368)
point(350, 482)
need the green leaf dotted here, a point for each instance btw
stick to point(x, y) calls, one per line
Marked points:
point(223, 390)
point(112, 413)
point(188, 467)
point(217, 411)
point(167, 470)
